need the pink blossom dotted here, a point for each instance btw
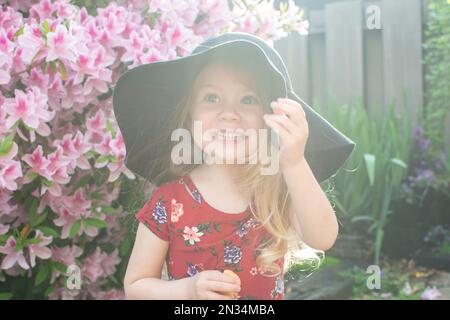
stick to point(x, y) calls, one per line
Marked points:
point(61, 44)
point(39, 164)
point(31, 42)
point(3, 229)
point(100, 264)
point(10, 169)
point(13, 256)
point(39, 249)
point(22, 108)
point(67, 254)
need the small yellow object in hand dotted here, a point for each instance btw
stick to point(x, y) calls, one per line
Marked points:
point(231, 273)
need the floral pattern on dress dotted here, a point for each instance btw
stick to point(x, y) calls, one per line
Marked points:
point(201, 239)
point(279, 287)
point(177, 210)
point(191, 235)
point(232, 254)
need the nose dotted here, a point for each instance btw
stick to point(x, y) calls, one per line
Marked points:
point(229, 114)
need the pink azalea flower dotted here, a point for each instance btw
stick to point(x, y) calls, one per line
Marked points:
point(21, 108)
point(73, 209)
point(31, 42)
point(12, 256)
point(42, 10)
point(191, 235)
point(67, 254)
point(39, 164)
point(100, 265)
point(3, 229)
point(10, 169)
point(5, 207)
point(61, 44)
point(40, 249)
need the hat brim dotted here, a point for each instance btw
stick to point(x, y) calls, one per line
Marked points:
point(145, 100)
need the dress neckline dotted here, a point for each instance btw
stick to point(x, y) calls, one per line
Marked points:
point(199, 199)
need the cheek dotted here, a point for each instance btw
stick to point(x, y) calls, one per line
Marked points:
point(255, 119)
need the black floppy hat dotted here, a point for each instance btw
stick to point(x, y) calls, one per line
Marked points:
point(145, 100)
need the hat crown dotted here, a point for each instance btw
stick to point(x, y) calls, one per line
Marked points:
point(272, 55)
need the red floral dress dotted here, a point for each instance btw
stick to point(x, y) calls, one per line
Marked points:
point(204, 238)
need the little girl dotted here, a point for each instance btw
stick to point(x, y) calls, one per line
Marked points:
point(205, 218)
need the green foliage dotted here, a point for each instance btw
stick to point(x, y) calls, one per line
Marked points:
point(393, 280)
point(371, 179)
point(437, 74)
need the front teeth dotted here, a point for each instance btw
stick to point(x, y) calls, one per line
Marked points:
point(221, 136)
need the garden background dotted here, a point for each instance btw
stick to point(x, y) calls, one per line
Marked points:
point(67, 201)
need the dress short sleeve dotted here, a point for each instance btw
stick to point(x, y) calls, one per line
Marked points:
point(155, 214)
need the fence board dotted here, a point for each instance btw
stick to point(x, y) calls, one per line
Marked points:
point(402, 52)
point(344, 51)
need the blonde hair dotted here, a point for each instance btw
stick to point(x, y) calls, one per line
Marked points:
point(270, 199)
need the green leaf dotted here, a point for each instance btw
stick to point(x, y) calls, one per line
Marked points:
point(399, 162)
point(46, 27)
point(19, 32)
point(43, 274)
point(108, 209)
point(35, 218)
point(95, 223)
point(5, 295)
point(53, 66)
point(32, 175)
point(102, 159)
point(75, 228)
point(6, 145)
point(110, 128)
point(61, 267)
point(49, 232)
point(370, 166)
point(362, 218)
point(63, 70)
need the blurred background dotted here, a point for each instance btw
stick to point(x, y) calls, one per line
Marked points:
point(377, 70)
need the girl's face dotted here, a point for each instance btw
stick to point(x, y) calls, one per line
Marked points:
point(225, 101)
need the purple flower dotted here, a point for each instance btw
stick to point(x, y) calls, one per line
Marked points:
point(159, 213)
point(197, 196)
point(430, 294)
point(232, 254)
point(192, 270)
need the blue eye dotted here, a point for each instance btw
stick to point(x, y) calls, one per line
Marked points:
point(212, 98)
point(249, 100)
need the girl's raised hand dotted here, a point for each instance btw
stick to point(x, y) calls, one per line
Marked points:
point(289, 118)
point(214, 285)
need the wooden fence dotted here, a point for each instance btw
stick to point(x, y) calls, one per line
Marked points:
point(369, 51)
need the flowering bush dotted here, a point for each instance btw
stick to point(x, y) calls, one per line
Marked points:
point(61, 153)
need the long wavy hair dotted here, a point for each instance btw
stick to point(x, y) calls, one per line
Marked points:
point(270, 200)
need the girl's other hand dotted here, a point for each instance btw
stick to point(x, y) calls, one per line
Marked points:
point(214, 285)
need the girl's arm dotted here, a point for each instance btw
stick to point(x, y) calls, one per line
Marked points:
point(143, 275)
point(312, 214)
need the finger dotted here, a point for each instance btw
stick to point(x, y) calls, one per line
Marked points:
point(211, 295)
point(293, 103)
point(219, 276)
point(223, 286)
point(295, 112)
point(285, 122)
point(281, 131)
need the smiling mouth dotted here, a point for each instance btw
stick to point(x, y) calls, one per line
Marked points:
point(229, 136)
